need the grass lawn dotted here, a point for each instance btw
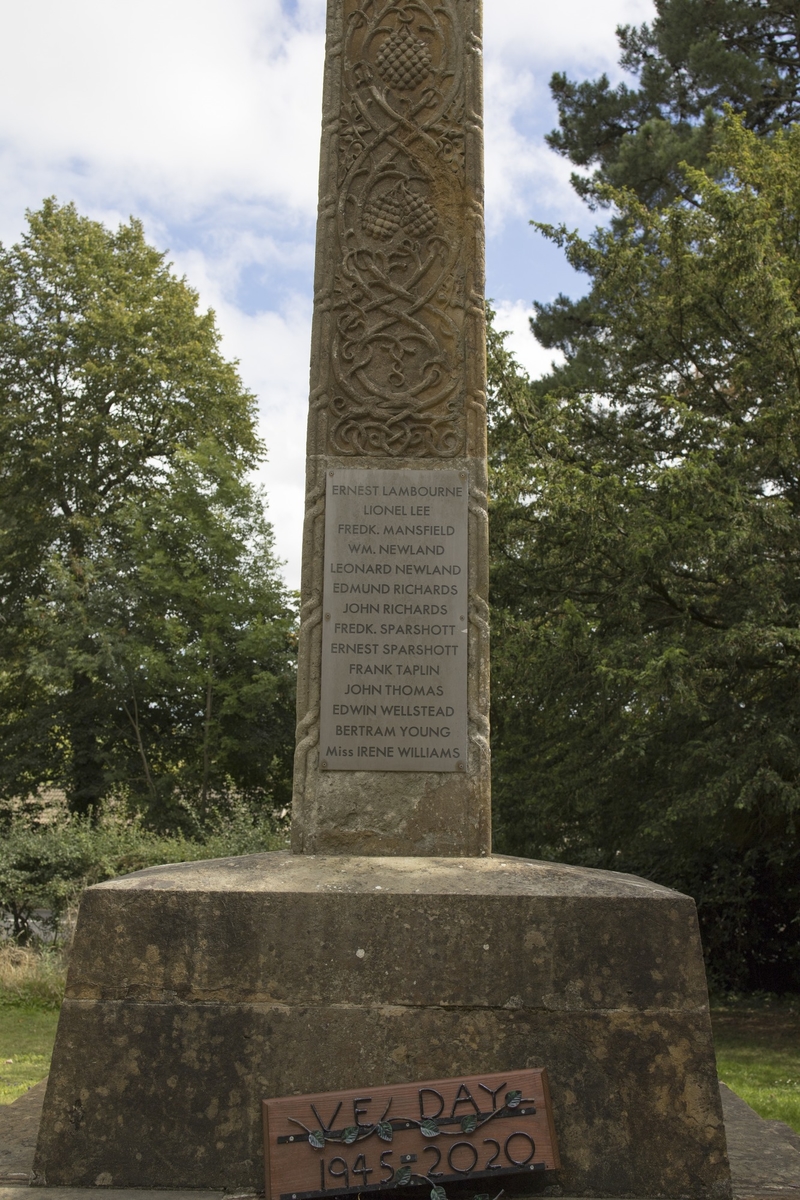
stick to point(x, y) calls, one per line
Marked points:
point(31, 987)
point(26, 1043)
point(758, 1055)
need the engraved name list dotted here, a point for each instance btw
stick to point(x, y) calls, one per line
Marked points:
point(394, 639)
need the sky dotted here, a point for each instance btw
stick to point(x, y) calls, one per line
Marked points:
point(202, 118)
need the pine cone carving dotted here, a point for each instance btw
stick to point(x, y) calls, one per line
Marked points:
point(419, 218)
point(382, 216)
point(403, 61)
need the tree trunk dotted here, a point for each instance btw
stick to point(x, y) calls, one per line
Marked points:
point(134, 720)
point(207, 736)
point(88, 788)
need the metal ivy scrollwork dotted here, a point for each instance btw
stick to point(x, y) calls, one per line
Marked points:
point(429, 1127)
point(398, 304)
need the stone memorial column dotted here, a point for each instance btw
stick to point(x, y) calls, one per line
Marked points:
point(393, 688)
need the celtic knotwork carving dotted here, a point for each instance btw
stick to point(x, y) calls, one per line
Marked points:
point(449, 134)
point(399, 294)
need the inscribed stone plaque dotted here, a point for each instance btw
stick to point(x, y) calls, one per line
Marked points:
point(394, 640)
point(431, 1134)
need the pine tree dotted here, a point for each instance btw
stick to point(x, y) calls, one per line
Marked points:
point(645, 549)
point(696, 58)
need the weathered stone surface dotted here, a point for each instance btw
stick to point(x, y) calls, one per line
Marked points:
point(197, 990)
point(398, 373)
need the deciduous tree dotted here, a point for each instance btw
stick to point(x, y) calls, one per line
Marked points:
point(146, 639)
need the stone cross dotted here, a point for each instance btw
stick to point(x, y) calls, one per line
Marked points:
point(393, 685)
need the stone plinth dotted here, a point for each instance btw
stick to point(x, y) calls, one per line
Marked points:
point(195, 991)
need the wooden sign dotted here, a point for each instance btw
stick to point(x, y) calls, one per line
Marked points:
point(426, 1134)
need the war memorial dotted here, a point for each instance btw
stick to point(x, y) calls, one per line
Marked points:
point(534, 1025)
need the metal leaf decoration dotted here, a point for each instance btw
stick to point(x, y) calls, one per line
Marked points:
point(317, 1139)
point(469, 1123)
point(513, 1099)
point(429, 1127)
point(385, 1131)
point(349, 1134)
point(402, 1176)
point(438, 1193)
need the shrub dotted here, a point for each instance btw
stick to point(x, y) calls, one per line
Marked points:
point(31, 978)
point(45, 867)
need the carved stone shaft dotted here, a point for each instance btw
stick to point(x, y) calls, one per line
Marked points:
point(398, 379)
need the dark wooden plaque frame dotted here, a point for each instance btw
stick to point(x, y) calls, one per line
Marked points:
point(432, 1133)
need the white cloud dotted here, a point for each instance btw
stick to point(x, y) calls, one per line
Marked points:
point(519, 168)
point(514, 316)
point(186, 101)
point(575, 33)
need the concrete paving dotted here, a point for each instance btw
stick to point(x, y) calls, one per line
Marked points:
point(764, 1157)
point(19, 1124)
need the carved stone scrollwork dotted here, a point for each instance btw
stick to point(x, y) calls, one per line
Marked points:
point(399, 298)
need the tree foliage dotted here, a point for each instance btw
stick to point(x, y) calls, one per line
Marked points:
point(697, 57)
point(646, 560)
point(146, 640)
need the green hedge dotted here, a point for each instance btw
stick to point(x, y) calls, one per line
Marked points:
point(44, 868)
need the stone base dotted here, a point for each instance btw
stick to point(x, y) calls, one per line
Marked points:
point(195, 991)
